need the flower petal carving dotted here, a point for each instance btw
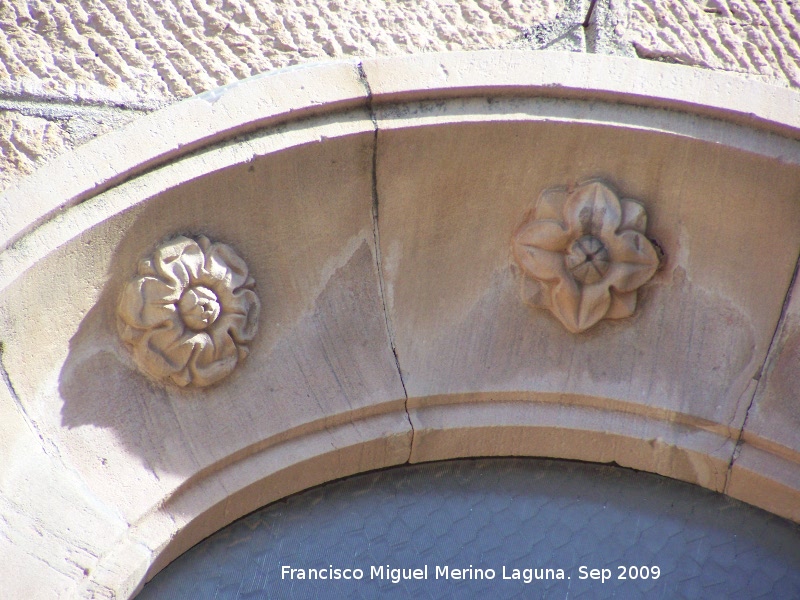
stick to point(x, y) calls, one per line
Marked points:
point(545, 234)
point(589, 263)
point(190, 312)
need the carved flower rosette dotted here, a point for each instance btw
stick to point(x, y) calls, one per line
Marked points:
point(190, 312)
point(585, 252)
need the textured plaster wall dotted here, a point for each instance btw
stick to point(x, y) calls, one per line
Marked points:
point(73, 69)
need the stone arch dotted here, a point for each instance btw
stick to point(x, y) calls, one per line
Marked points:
point(374, 203)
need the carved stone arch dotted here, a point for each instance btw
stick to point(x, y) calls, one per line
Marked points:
point(375, 205)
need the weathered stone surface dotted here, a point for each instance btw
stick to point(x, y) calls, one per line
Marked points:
point(146, 53)
point(381, 251)
point(175, 130)
point(310, 250)
point(33, 481)
point(479, 366)
point(754, 37)
point(25, 143)
point(776, 410)
point(143, 55)
point(31, 133)
point(453, 293)
point(766, 470)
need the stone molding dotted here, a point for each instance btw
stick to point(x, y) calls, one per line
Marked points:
point(408, 315)
point(190, 312)
point(587, 252)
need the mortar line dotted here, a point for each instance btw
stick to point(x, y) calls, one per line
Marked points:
point(9, 99)
point(379, 263)
point(62, 112)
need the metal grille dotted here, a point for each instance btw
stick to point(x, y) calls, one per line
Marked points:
point(495, 513)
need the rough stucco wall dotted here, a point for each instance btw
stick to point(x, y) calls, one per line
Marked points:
point(150, 52)
point(755, 37)
point(61, 59)
point(25, 141)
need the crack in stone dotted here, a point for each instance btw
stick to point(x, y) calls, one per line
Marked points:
point(759, 376)
point(376, 234)
point(18, 401)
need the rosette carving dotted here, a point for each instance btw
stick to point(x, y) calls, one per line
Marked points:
point(190, 312)
point(586, 253)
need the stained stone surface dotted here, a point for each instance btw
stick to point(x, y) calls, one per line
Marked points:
point(72, 69)
point(515, 513)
